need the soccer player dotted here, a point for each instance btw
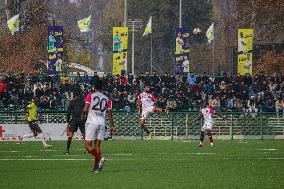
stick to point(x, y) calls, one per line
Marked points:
point(32, 121)
point(75, 109)
point(206, 114)
point(96, 105)
point(147, 99)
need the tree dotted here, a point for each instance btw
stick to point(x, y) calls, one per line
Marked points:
point(270, 61)
point(26, 49)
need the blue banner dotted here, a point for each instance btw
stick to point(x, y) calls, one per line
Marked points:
point(55, 49)
point(182, 51)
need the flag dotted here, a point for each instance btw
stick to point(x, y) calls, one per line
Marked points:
point(85, 24)
point(148, 28)
point(14, 24)
point(210, 33)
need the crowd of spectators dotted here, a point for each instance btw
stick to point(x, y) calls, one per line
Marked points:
point(249, 94)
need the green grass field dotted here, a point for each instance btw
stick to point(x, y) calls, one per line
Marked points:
point(145, 164)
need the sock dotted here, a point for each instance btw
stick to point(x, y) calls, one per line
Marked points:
point(28, 135)
point(97, 157)
point(210, 137)
point(201, 137)
point(69, 140)
point(41, 137)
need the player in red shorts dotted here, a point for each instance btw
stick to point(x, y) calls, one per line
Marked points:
point(96, 106)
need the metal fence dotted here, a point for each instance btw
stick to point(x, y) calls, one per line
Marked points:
point(177, 125)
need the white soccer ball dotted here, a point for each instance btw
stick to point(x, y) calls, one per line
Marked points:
point(196, 31)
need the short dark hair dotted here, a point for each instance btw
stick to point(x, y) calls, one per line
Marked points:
point(98, 84)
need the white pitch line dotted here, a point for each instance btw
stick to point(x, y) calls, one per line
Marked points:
point(46, 159)
point(121, 154)
point(9, 151)
point(281, 158)
point(268, 149)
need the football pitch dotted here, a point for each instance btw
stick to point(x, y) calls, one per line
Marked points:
point(145, 164)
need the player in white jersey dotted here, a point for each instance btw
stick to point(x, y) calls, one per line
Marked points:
point(206, 113)
point(146, 103)
point(95, 109)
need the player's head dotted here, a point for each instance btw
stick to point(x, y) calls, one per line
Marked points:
point(147, 88)
point(98, 85)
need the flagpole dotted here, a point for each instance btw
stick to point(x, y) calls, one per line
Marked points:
point(152, 46)
point(213, 56)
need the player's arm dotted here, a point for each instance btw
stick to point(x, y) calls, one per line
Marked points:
point(219, 115)
point(85, 111)
point(109, 112)
point(138, 104)
point(86, 107)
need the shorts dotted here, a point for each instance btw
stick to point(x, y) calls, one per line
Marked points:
point(146, 112)
point(34, 127)
point(75, 124)
point(94, 132)
point(207, 127)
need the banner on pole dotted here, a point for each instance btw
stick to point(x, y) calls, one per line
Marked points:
point(120, 45)
point(85, 24)
point(55, 49)
point(182, 58)
point(245, 47)
point(14, 24)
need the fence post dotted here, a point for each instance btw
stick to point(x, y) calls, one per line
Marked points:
point(261, 125)
point(186, 126)
point(16, 118)
point(172, 122)
point(141, 129)
point(231, 129)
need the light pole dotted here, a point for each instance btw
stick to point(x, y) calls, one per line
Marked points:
point(180, 3)
point(134, 25)
point(125, 13)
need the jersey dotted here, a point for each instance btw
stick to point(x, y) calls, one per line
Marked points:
point(32, 109)
point(99, 104)
point(207, 114)
point(147, 100)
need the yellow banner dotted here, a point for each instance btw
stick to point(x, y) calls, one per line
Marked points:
point(119, 63)
point(120, 39)
point(245, 47)
point(120, 44)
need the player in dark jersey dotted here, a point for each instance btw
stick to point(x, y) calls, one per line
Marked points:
point(74, 120)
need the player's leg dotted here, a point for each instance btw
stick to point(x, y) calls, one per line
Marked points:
point(41, 137)
point(203, 129)
point(142, 122)
point(144, 115)
point(29, 135)
point(91, 135)
point(70, 134)
point(100, 137)
point(209, 133)
point(82, 129)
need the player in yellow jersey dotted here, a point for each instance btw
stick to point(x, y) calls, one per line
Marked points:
point(32, 121)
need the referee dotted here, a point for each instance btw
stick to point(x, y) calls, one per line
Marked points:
point(74, 121)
